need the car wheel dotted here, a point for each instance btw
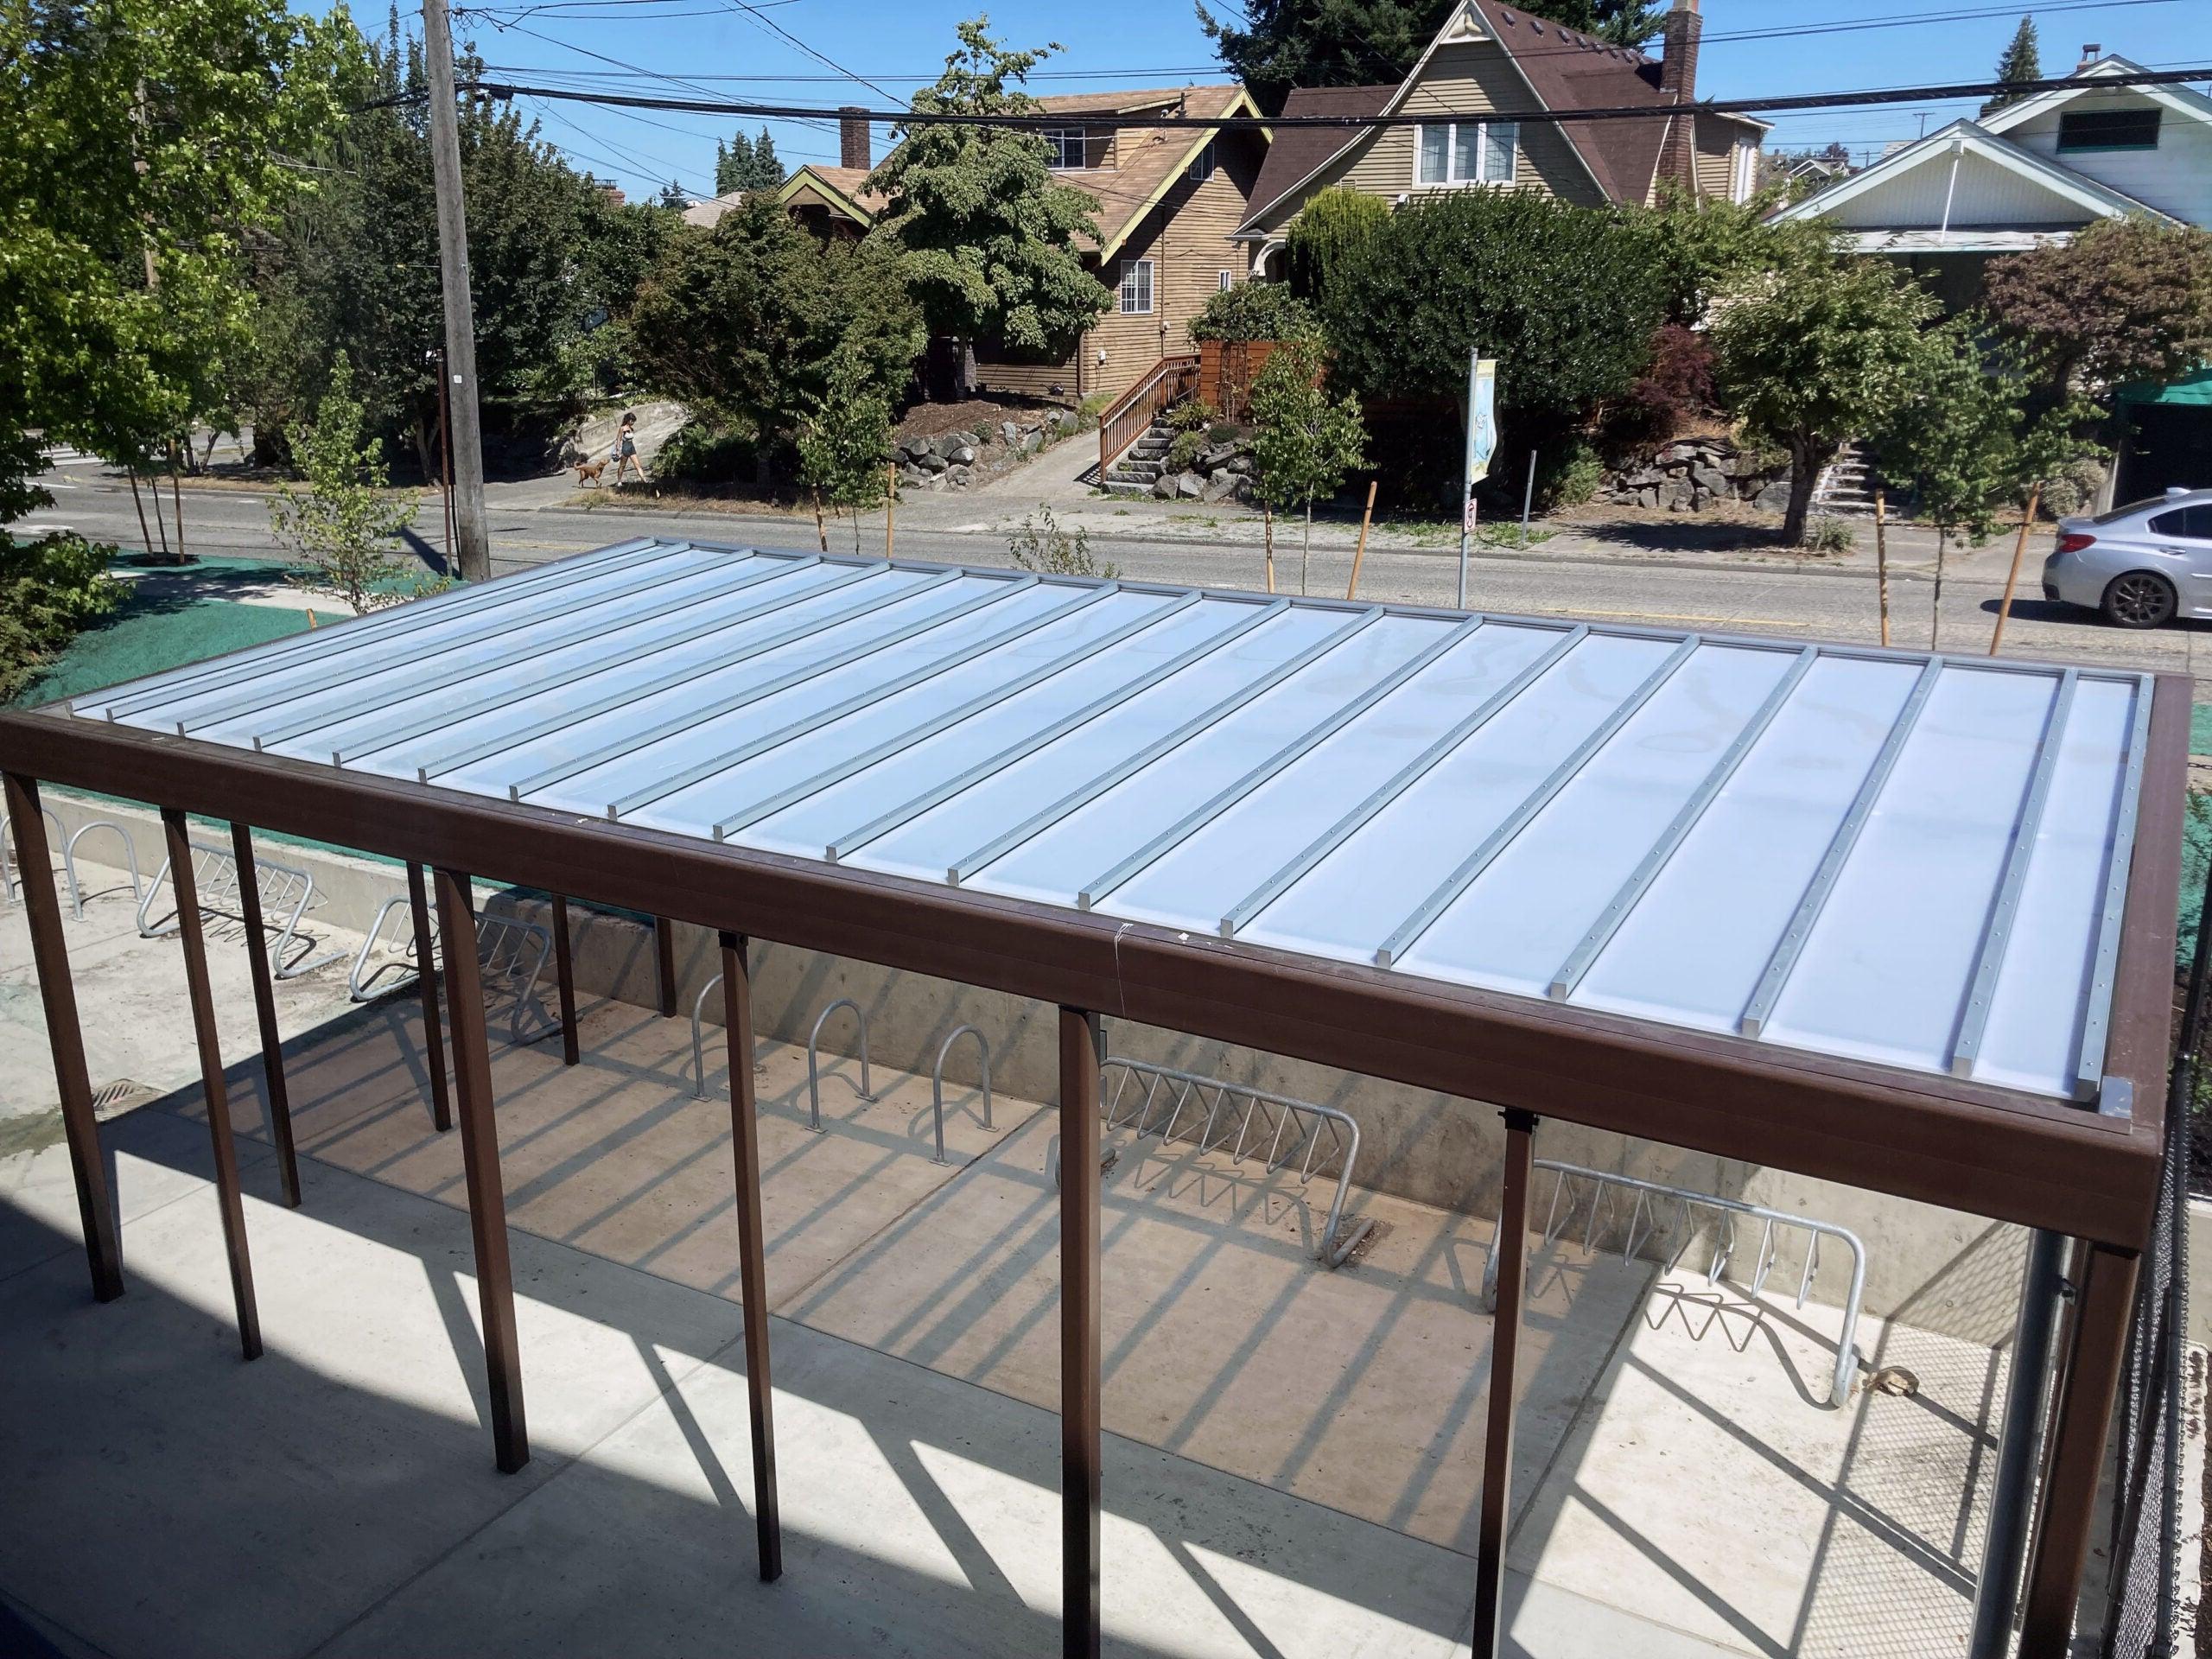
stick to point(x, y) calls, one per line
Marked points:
point(2139, 600)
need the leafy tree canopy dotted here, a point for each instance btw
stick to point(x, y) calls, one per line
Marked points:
point(1703, 247)
point(345, 521)
point(1328, 230)
point(1305, 442)
point(844, 442)
point(2022, 61)
point(1829, 351)
point(984, 235)
point(142, 141)
point(1565, 297)
point(747, 322)
point(2126, 300)
point(1286, 43)
point(1255, 311)
point(746, 163)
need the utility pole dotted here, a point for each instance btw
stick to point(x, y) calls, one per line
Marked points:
point(459, 373)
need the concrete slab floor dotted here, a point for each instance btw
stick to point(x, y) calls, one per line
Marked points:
point(1679, 1487)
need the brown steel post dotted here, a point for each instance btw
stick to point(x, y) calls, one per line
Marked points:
point(50, 956)
point(185, 887)
point(564, 974)
point(1504, 1354)
point(752, 1258)
point(426, 985)
point(2104, 1298)
point(265, 1010)
point(1080, 1053)
point(665, 964)
point(479, 1156)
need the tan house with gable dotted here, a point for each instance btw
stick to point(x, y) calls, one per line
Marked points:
point(1169, 200)
point(1489, 63)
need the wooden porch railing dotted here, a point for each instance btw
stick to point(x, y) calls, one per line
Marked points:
point(1127, 415)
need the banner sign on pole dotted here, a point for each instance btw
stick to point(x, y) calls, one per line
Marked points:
point(1482, 444)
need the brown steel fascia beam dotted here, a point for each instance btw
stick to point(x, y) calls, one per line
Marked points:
point(2141, 1041)
point(1938, 1140)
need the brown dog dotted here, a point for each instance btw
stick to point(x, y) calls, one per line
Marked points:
point(590, 470)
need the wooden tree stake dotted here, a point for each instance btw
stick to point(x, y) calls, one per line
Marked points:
point(2012, 576)
point(1882, 564)
point(1360, 552)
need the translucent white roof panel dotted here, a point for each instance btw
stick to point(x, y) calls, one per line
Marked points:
point(1895, 858)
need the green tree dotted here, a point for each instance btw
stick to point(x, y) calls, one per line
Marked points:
point(1962, 438)
point(2127, 299)
point(985, 237)
point(1565, 297)
point(2022, 61)
point(844, 443)
point(344, 521)
point(1304, 444)
point(1830, 354)
point(144, 142)
point(746, 163)
point(50, 589)
point(1330, 229)
point(1286, 43)
point(745, 322)
point(1704, 247)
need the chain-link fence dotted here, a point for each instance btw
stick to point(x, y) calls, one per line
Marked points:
point(2146, 1507)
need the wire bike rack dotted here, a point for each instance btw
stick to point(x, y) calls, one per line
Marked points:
point(937, 1079)
point(11, 877)
point(1645, 1223)
point(285, 891)
point(503, 947)
point(1328, 1136)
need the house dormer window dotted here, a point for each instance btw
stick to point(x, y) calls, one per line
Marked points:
point(2131, 128)
point(1466, 152)
point(1066, 147)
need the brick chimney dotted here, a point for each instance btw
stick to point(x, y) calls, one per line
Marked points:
point(1678, 85)
point(2090, 53)
point(853, 146)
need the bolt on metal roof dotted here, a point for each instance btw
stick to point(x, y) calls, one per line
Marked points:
point(1901, 858)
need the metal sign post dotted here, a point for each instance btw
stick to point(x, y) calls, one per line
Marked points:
point(1482, 443)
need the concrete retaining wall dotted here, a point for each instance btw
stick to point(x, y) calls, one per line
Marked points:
point(1937, 1269)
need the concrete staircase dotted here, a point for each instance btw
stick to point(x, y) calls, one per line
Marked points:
point(1140, 467)
point(1845, 484)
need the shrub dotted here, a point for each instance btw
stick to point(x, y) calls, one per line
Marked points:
point(703, 452)
point(1675, 387)
point(1331, 227)
point(1255, 311)
point(50, 590)
point(1049, 550)
point(1192, 415)
point(2074, 485)
point(1566, 297)
point(1827, 535)
point(1573, 478)
point(1088, 412)
point(1184, 452)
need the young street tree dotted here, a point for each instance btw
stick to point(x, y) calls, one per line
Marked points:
point(2021, 61)
point(844, 444)
point(984, 236)
point(1303, 445)
point(1825, 353)
point(343, 522)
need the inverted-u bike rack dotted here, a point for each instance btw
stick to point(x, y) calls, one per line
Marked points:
point(936, 1078)
point(11, 878)
point(1327, 1137)
point(286, 891)
point(1600, 1212)
point(864, 1089)
point(510, 953)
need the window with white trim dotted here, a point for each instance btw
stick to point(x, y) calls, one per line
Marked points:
point(1136, 287)
point(2109, 129)
point(1228, 281)
point(1466, 152)
point(1067, 148)
point(1202, 168)
point(1740, 187)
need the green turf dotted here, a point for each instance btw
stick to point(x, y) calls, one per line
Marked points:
point(139, 640)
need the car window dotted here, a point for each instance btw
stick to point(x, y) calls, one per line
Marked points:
point(2192, 524)
point(2129, 511)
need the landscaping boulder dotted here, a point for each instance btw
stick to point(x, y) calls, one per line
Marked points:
point(1164, 486)
point(1190, 487)
point(929, 461)
point(961, 454)
point(1219, 487)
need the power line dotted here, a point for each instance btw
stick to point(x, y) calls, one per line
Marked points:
point(1027, 120)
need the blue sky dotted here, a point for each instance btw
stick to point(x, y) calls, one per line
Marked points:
point(721, 51)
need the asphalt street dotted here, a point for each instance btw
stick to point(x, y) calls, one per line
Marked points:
point(533, 523)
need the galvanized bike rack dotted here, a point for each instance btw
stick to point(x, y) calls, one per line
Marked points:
point(1645, 1224)
point(503, 946)
point(698, 1044)
point(1275, 1113)
point(937, 1079)
point(285, 891)
point(11, 876)
point(864, 1089)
